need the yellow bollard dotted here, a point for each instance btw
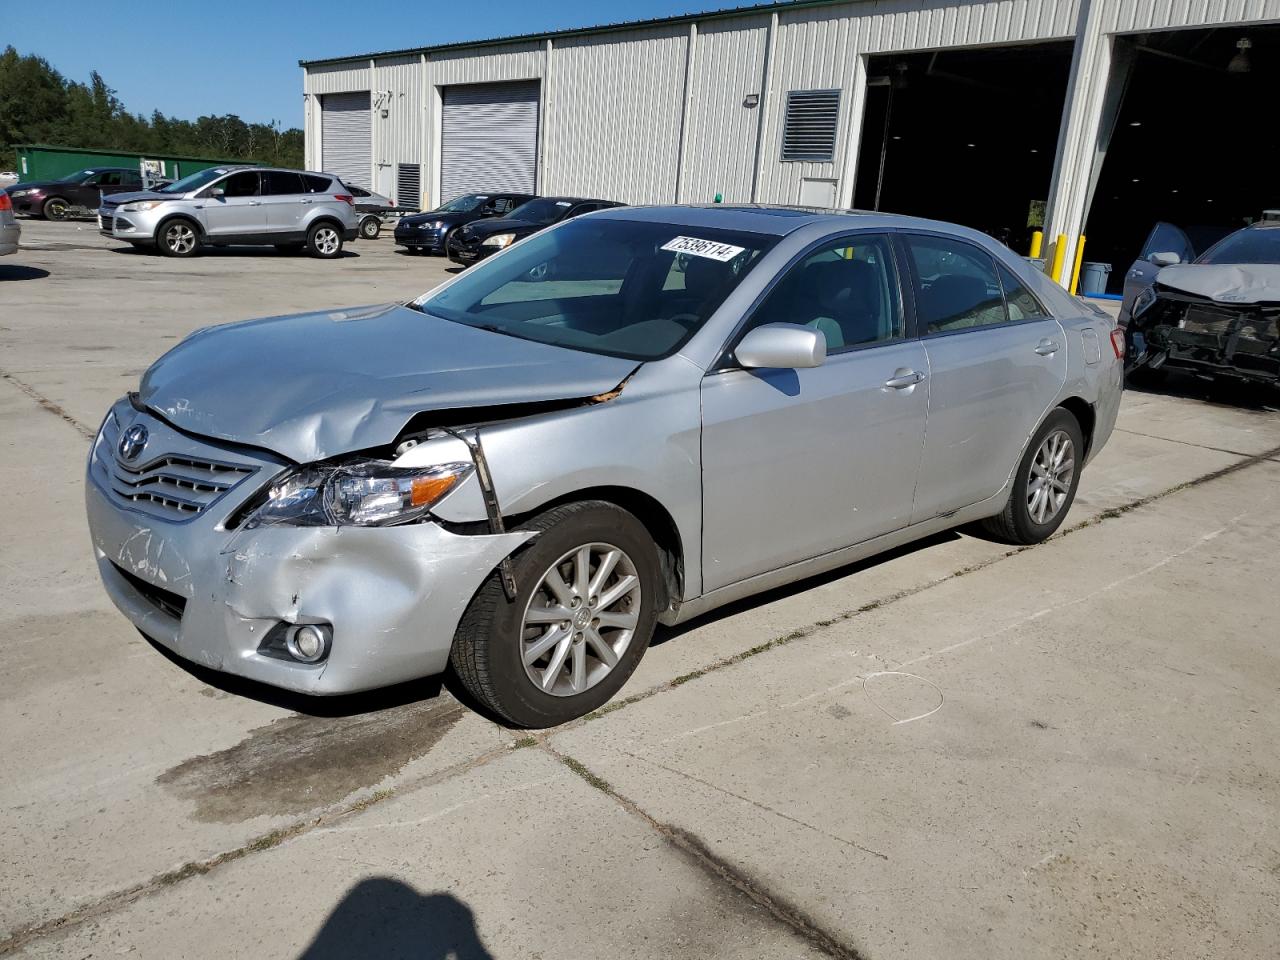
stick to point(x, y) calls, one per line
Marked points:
point(1037, 241)
point(1075, 271)
point(1059, 254)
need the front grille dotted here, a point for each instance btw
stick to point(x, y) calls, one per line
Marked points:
point(168, 486)
point(173, 604)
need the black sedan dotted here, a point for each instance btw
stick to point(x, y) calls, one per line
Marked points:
point(479, 240)
point(77, 194)
point(428, 232)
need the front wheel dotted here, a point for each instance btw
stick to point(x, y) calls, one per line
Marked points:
point(370, 227)
point(56, 208)
point(1044, 486)
point(324, 241)
point(178, 238)
point(584, 613)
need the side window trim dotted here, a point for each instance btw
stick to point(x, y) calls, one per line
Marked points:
point(1001, 268)
point(725, 363)
point(916, 287)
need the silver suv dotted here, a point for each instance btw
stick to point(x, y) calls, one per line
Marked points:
point(288, 209)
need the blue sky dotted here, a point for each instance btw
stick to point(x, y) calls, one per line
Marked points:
point(233, 56)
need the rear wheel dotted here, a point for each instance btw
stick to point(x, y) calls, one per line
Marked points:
point(178, 238)
point(370, 227)
point(1044, 486)
point(56, 208)
point(584, 613)
point(324, 240)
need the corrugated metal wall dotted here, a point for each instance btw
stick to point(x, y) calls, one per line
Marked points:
point(615, 112)
point(720, 138)
point(613, 106)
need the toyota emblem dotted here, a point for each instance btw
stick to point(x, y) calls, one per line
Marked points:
point(132, 441)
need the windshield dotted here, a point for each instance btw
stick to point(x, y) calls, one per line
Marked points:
point(617, 287)
point(464, 204)
point(193, 181)
point(542, 210)
point(1257, 245)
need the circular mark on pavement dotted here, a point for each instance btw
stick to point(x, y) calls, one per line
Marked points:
point(902, 697)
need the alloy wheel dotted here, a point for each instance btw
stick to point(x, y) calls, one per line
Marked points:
point(1049, 483)
point(180, 238)
point(326, 241)
point(580, 619)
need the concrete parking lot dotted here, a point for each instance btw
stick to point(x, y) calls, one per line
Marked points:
point(959, 750)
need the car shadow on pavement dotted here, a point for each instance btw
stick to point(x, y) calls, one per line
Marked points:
point(663, 634)
point(1255, 397)
point(385, 918)
point(131, 251)
point(310, 705)
point(17, 271)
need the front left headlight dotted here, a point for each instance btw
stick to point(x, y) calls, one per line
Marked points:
point(1145, 298)
point(366, 493)
point(499, 240)
point(20, 193)
point(140, 205)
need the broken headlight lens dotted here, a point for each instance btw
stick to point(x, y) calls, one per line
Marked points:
point(366, 493)
point(1145, 298)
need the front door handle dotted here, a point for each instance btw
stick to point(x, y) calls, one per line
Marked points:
point(255, 203)
point(305, 201)
point(904, 377)
point(1047, 347)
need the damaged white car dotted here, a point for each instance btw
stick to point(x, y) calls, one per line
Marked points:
point(628, 419)
point(1216, 317)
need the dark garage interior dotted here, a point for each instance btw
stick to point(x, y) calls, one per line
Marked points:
point(963, 135)
point(1194, 142)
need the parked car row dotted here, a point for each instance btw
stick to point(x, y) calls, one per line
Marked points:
point(476, 225)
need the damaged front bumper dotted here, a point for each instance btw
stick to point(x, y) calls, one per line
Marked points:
point(1198, 335)
point(221, 596)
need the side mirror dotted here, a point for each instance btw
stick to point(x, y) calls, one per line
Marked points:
point(782, 346)
point(218, 193)
point(1164, 259)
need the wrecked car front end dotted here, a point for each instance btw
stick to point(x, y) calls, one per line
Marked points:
point(178, 551)
point(1211, 321)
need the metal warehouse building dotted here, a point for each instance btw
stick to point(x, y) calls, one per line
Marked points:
point(1003, 114)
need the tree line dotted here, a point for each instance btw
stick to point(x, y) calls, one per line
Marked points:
point(39, 105)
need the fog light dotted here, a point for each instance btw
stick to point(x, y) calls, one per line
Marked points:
point(308, 642)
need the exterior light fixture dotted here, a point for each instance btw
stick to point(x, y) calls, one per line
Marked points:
point(751, 101)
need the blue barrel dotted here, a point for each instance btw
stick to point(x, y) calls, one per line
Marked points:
point(1093, 280)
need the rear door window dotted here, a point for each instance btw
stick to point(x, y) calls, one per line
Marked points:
point(1021, 302)
point(280, 182)
point(956, 285)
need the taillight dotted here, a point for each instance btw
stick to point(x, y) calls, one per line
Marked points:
point(1117, 342)
point(345, 198)
point(5, 202)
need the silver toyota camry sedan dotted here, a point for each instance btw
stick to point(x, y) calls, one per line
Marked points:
point(631, 418)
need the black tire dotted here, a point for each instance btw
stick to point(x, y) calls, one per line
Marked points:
point(448, 239)
point(178, 237)
point(1016, 523)
point(487, 653)
point(370, 227)
point(56, 208)
point(324, 240)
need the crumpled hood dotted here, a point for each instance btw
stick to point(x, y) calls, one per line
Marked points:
point(115, 199)
point(1225, 282)
point(315, 385)
point(487, 228)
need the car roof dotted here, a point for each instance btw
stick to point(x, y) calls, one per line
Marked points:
point(782, 219)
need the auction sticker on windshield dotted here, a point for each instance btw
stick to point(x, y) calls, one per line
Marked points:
point(724, 252)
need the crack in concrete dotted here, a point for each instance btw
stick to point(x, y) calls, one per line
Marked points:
point(683, 840)
point(701, 856)
point(1185, 443)
point(48, 405)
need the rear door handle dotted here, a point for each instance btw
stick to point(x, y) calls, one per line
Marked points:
point(1047, 347)
point(255, 203)
point(903, 378)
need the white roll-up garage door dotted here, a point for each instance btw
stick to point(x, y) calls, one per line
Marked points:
point(489, 138)
point(346, 136)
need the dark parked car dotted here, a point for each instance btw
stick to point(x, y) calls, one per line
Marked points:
point(77, 194)
point(479, 240)
point(428, 232)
